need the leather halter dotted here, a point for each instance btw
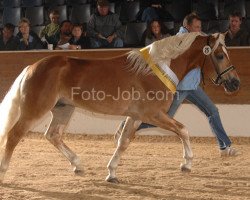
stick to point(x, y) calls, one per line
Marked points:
point(218, 79)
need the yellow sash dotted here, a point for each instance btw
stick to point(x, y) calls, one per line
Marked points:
point(158, 71)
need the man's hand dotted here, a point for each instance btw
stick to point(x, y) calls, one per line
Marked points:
point(101, 37)
point(111, 38)
point(74, 47)
point(26, 39)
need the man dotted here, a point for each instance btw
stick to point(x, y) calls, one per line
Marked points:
point(63, 36)
point(104, 27)
point(235, 35)
point(189, 89)
point(7, 40)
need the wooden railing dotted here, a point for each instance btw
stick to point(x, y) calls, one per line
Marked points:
point(13, 62)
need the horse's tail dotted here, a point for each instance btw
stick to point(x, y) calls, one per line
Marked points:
point(10, 108)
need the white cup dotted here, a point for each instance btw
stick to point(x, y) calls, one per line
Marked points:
point(50, 46)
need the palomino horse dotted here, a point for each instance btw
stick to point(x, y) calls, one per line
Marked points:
point(94, 84)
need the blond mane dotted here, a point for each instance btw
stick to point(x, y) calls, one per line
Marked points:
point(161, 51)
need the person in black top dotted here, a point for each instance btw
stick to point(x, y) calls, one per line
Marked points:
point(236, 36)
point(153, 10)
point(7, 39)
point(79, 40)
point(63, 36)
point(27, 40)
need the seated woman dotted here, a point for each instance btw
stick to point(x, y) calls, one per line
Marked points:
point(79, 40)
point(27, 40)
point(156, 30)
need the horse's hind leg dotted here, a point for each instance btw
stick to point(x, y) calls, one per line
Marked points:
point(164, 121)
point(122, 145)
point(13, 138)
point(61, 116)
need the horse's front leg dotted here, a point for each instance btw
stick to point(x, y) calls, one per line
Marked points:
point(122, 145)
point(120, 128)
point(164, 121)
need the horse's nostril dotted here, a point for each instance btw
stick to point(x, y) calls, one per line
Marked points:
point(235, 83)
point(232, 85)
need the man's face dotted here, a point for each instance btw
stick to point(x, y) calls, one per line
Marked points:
point(234, 24)
point(7, 33)
point(66, 28)
point(103, 10)
point(195, 26)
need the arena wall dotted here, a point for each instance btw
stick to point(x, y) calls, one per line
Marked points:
point(234, 109)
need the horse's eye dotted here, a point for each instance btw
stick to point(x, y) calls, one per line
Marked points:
point(219, 57)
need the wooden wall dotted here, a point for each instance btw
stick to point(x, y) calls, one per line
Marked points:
point(11, 64)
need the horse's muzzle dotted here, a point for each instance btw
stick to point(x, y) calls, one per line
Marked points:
point(232, 85)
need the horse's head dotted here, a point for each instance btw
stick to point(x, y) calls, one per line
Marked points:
point(226, 74)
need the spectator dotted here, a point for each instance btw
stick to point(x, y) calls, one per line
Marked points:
point(79, 40)
point(27, 40)
point(7, 40)
point(53, 27)
point(104, 27)
point(154, 10)
point(235, 35)
point(63, 36)
point(155, 31)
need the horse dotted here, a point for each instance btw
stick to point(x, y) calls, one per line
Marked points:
point(58, 84)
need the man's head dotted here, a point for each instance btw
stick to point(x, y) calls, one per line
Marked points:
point(103, 7)
point(8, 31)
point(66, 27)
point(54, 16)
point(235, 20)
point(192, 22)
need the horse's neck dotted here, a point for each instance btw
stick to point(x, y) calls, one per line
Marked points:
point(191, 59)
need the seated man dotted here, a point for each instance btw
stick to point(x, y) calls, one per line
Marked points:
point(7, 39)
point(155, 11)
point(63, 36)
point(104, 27)
point(235, 35)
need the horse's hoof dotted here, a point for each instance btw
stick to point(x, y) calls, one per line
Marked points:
point(112, 180)
point(79, 172)
point(185, 169)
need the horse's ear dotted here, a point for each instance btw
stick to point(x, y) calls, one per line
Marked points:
point(212, 39)
point(225, 33)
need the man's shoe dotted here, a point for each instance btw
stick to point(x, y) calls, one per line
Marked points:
point(229, 151)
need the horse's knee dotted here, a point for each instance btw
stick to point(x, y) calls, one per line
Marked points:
point(184, 134)
point(52, 133)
